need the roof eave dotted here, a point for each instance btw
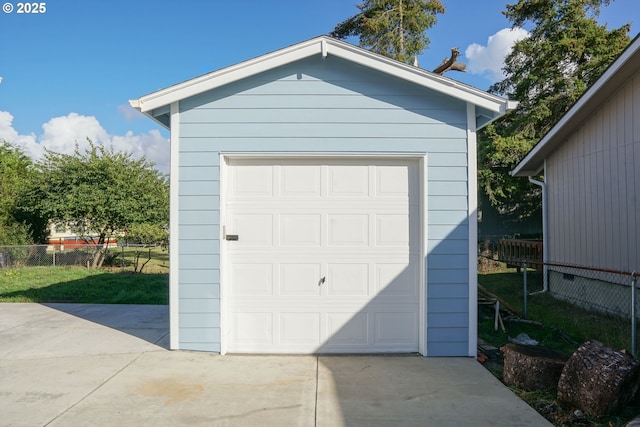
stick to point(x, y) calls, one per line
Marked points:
point(325, 46)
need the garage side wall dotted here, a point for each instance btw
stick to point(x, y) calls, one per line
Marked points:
point(324, 106)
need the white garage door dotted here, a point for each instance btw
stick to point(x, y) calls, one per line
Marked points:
point(326, 258)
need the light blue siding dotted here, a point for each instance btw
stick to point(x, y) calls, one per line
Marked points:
point(198, 262)
point(440, 188)
point(447, 305)
point(447, 173)
point(197, 217)
point(201, 246)
point(447, 217)
point(448, 247)
point(200, 290)
point(447, 202)
point(199, 232)
point(209, 276)
point(448, 231)
point(446, 320)
point(324, 106)
point(199, 173)
point(445, 276)
point(191, 320)
point(200, 203)
point(203, 188)
point(199, 305)
point(448, 348)
point(200, 334)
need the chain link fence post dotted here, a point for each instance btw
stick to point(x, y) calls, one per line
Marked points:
point(633, 313)
point(524, 270)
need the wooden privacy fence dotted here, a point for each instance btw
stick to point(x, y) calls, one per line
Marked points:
point(517, 252)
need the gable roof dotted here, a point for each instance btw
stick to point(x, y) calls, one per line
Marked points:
point(624, 67)
point(156, 105)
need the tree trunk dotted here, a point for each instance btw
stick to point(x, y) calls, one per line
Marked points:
point(598, 380)
point(531, 368)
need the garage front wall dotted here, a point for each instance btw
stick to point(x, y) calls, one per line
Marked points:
point(308, 109)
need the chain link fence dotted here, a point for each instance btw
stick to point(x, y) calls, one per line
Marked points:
point(124, 256)
point(601, 291)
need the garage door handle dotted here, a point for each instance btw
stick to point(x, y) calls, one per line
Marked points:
point(231, 237)
point(321, 281)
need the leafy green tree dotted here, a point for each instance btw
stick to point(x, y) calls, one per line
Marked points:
point(17, 226)
point(394, 28)
point(547, 72)
point(148, 236)
point(100, 194)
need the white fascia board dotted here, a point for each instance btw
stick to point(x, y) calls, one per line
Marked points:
point(420, 77)
point(323, 46)
point(228, 75)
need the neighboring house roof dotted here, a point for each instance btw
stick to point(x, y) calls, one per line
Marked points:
point(620, 71)
point(156, 105)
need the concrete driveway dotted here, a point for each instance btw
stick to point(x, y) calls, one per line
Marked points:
point(108, 365)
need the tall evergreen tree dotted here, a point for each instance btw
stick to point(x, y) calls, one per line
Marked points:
point(394, 28)
point(547, 72)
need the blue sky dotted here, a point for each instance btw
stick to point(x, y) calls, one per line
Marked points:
point(68, 73)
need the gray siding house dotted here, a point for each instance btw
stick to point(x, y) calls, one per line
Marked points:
point(591, 192)
point(323, 200)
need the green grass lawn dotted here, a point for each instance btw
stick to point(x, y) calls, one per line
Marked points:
point(577, 325)
point(125, 257)
point(82, 285)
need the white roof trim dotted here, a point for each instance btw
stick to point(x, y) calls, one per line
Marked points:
point(324, 46)
point(616, 74)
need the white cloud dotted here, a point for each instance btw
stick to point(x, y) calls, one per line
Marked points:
point(61, 134)
point(129, 113)
point(152, 146)
point(26, 142)
point(489, 60)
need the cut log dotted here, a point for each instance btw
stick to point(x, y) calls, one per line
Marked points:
point(530, 367)
point(598, 380)
point(450, 63)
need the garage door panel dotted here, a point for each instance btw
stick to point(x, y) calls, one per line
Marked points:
point(251, 181)
point(397, 279)
point(348, 181)
point(392, 181)
point(253, 328)
point(348, 230)
point(348, 279)
point(300, 229)
point(300, 328)
point(341, 237)
point(398, 328)
point(347, 329)
point(392, 230)
point(300, 279)
point(255, 229)
point(300, 181)
point(250, 279)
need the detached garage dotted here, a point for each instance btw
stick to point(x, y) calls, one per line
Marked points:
point(323, 200)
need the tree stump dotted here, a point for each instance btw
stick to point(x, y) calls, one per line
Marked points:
point(598, 380)
point(531, 368)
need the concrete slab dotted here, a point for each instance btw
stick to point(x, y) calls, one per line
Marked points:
point(97, 365)
point(35, 391)
point(415, 391)
point(181, 388)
